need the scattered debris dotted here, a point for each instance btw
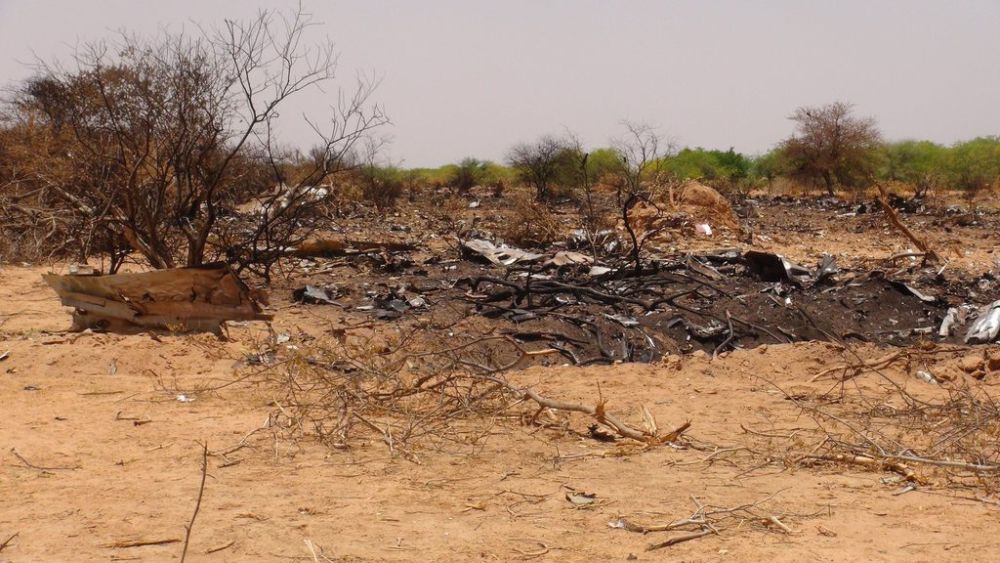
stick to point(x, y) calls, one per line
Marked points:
point(502, 255)
point(313, 295)
point(627, 322)
point(333, 247)
point(827, 268)
point(774, 267)
point(569, 258)
point(581, 499)
point(951, 318)
point(914, 292)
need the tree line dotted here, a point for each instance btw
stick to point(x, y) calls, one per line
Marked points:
point(831, 149)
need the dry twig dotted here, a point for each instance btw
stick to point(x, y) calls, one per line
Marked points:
point(197, 506)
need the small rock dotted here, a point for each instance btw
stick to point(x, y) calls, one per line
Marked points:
point(971, 363)
point(945, 375)
point(993, 359)
point(672, 361)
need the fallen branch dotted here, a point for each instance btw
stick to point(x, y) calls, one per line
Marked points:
point(600, 415)
point(140, 543)
point(858, 368)
point(38, 467)
point(895, 221)
point(707, 520)
point(895, 466)
point(197, 506)
point(597, 412)
point(7, 541)
point(532, 554)
point(679, 539)
point(226, 545)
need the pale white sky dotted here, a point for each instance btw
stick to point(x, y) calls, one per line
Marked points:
point(469, 78)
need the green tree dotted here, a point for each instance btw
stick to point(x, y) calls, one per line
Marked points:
point(832, 146)
point(723, 168)
point(974, 165)
point(603, 161)
point(768, 166)
point(468, 174)
point(921, 164)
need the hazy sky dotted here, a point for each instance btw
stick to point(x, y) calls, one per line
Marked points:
point(470, 78)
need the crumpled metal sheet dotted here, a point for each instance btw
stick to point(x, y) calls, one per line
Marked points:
point(501, 255)
point(987, 325)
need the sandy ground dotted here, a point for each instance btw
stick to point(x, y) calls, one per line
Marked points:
point(97, 452)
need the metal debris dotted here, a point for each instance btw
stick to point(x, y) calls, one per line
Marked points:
point(987, 325)
point(313, 295)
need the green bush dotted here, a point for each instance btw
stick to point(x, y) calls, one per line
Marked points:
point(603, 161)
point(708, 165)
point(974, 165)
point(921, 164)
point(468, 174)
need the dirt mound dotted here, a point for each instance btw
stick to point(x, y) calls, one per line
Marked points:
point(687, 207)
point(704, 204)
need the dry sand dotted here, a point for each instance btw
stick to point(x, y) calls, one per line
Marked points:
point(96, 451)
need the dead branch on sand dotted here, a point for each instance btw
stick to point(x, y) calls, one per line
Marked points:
point(197, 505)
point(139, 543)
point(953, 436)
point(708, 519)
point(6, 542)
point(344, 393)
point(39, 467)
point(897, 223)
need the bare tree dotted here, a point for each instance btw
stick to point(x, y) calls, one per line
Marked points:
point(643, 152)
point(287, 215)
point(832, 145)
point(584, 183)
point(153, 132)
point(541, 163)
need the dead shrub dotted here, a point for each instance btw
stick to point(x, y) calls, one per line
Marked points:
point(530, 223)
point(381, 187)
point(448, 209)
point(146, 144)
point(360, 390)
point(927, 435)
